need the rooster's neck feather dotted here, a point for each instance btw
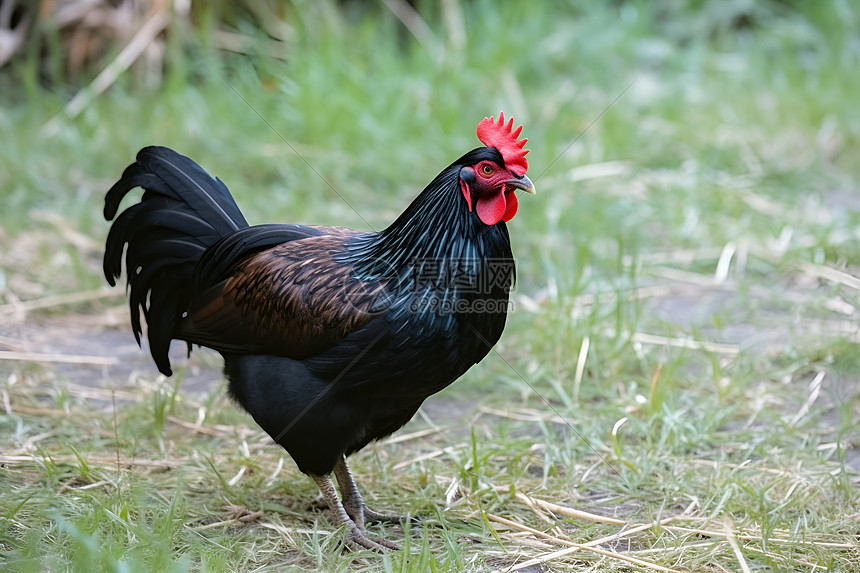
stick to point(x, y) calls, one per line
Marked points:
point(436, 225)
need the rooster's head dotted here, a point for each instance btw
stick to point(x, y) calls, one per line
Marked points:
point(490, 184)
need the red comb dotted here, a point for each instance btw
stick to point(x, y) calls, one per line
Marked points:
point(504, 138)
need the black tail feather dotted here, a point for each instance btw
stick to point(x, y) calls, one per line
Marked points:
point(149, 220)
point(183, 212)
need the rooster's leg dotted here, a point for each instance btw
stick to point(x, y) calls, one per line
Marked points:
point(353, 502)
point(341, 517)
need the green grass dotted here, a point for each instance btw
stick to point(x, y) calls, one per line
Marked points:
point(734, 136)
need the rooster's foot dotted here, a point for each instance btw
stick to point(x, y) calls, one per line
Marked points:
point(354, 504)
point(371, 516)
point(359, 537)
point(354, 520)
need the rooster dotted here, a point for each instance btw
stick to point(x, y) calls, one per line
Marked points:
point(331, 338)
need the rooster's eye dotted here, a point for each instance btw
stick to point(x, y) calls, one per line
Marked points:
point(487, 170)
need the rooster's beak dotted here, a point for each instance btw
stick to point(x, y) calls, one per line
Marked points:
point(523, 183)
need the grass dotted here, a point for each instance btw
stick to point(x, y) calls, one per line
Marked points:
point(699, 232)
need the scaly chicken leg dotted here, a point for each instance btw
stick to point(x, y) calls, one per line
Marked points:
point(353, 502)
point(341, 517)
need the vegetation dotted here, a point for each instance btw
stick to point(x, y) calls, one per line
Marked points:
point(682, 361)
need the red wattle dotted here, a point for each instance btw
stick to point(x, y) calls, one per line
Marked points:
point(512, 205)
point(491, 208)
point(466, 193)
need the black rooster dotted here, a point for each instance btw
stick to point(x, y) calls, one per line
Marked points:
point(331, 338)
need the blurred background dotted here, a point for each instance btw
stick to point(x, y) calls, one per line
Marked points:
point(684, 339)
